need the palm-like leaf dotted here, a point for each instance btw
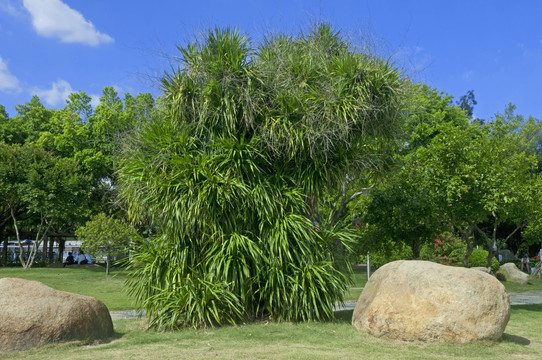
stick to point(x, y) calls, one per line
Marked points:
point(246, 142)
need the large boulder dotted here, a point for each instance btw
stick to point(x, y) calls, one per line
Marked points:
point(33, 314)
point(425, 301)
point(510, 272)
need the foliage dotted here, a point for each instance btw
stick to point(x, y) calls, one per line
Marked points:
point(446, 249)
point(476, 177)
point(478, 258)
point(39, 190)
point(108, 236)
point(85, 141)
point(403, 209)
point(400, 212)
point(467, 102)
point(233, 169)
point(429, 112)
point(393, 252)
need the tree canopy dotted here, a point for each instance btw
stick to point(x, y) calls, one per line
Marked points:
point(107, 236)
point(58, 166)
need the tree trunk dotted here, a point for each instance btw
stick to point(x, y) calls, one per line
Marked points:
point(5, 248)
point(51, 248)
point(107, 265)
point(466, 236)
point(61, 247)
point(44, 251)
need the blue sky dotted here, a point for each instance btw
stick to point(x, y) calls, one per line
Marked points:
point(53, 47)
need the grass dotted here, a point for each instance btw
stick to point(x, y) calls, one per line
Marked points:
point(263, 340)
point(359, 280)
point(532, 285)
point(109, 289)
point(90, 282)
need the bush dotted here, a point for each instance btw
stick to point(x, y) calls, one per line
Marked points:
point(478, 258)
point(446, 250)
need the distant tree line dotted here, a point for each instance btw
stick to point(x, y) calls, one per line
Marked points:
point(57, 167)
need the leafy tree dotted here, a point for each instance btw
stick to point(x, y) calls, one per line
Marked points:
point(401, 212)
point(233, 170)
point(477, 177)
point(85, 140)
point(79, 103)
point(108, 236)
point(39, 188)
point(429, 110)
point(33, 118)
point(467, 102)
point(3, 113)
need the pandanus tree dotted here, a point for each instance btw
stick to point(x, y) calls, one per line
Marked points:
point(232, 170)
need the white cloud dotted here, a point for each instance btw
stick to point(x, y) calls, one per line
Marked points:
point(56, 95)
point(8, 82)
point(54, 19)
point(95, 100)
point(9, 7)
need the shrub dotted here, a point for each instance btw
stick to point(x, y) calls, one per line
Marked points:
point(517, 262)
point(232, 165)
point(478, 258)
point(447, 250)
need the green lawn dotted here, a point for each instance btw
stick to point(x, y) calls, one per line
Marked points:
point(90, 282)
point(109, 289)
point(265, 340)
point(532, 285)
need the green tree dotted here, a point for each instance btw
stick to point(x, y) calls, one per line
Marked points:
point(233, 170)
point(467, 102)
point(477, 176)
point(40, 188)
point(401, 212)
point(108, 236)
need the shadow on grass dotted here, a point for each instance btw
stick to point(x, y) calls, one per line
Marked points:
point(528, 307)
point(520, 340)
point(344, 316)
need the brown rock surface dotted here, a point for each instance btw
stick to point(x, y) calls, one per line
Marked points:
point(34, 314)
point(425, 301)
point(510, 272)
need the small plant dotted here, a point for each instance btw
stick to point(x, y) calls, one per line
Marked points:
point(108, 236)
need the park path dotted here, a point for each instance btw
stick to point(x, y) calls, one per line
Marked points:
point(527, 298)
